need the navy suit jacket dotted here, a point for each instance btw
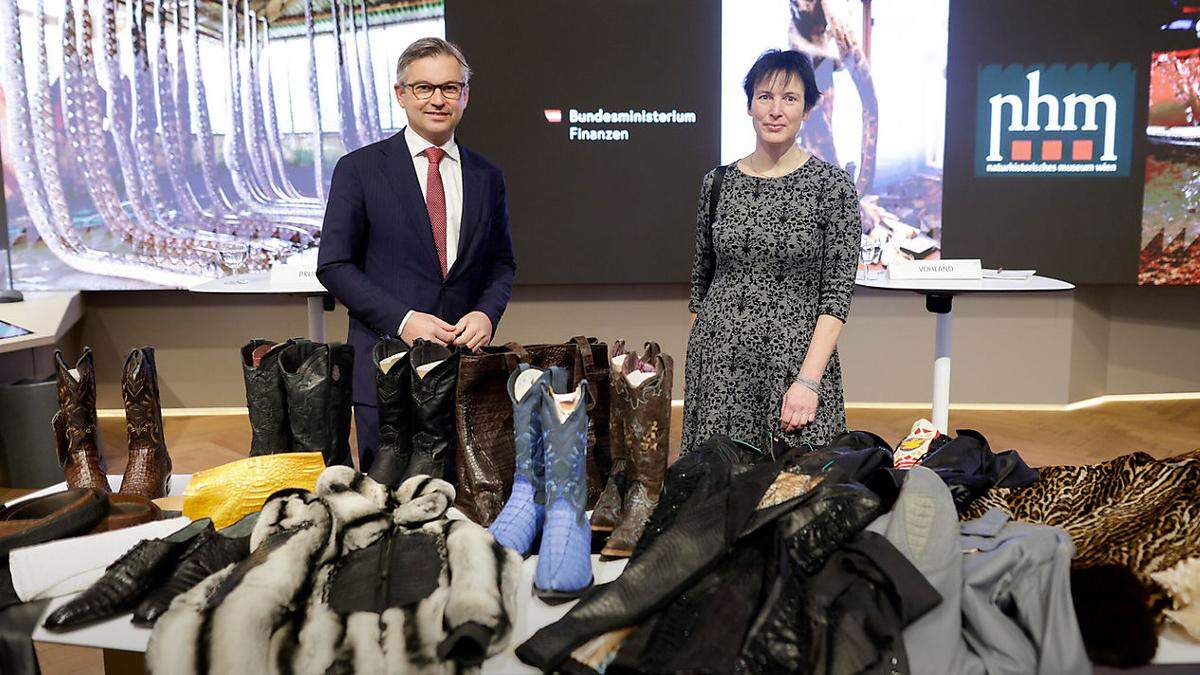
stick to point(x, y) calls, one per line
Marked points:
point(378, 258)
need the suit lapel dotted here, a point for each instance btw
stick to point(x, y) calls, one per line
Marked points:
point(473, 183)
point(403, 175)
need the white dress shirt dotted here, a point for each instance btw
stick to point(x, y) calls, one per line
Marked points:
point(452, 183)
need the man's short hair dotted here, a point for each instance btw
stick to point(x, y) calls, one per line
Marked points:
point(430, 46)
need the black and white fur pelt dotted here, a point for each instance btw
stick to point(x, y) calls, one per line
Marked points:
point(271, 613)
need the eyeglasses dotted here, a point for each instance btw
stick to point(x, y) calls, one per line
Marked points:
point(424, 90)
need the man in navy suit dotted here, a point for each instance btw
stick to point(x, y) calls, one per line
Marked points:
point(415, 241)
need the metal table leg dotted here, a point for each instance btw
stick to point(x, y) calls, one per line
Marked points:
point(316, 318)
point(941, 306)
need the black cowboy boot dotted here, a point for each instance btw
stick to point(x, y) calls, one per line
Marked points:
point(434, 376)
point(316, 379)
point(265, 397)
point(393, 382)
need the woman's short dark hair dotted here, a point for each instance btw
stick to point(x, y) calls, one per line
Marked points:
point(774, 63)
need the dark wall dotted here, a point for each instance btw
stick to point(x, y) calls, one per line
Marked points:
point(594, 211)
point(1084, 229)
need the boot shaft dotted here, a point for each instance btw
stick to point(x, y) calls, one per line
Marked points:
point(649, 423)
point(393, 373)
point(564, 424)
point(317, 379)
point(149, 466)
point(75, 431)
point(434, 378)
point(525, 390)
point(265, 396)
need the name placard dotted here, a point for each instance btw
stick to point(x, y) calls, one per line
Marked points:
point(294, 273)
point(915, 270)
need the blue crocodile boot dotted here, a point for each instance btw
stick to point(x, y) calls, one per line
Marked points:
point(564, 567)
point(521, 518)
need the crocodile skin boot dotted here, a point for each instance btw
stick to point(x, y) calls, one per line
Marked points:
point(265, 398)
point(434, 378)
point(149, 466)
point(316, 380)
point(564, 567)
point(607, 512)
point(393, 382)
point(75, 423)
point(521, 519)
point(647, 436)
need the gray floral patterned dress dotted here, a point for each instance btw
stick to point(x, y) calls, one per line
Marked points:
point(781, 252)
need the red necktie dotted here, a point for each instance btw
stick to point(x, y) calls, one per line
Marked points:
point(435, 202)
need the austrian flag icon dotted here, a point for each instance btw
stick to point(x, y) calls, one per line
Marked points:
point(553, 115)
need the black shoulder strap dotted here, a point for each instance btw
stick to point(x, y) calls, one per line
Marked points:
point(714, 197)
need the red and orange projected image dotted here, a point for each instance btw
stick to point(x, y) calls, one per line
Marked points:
point(1170, 241)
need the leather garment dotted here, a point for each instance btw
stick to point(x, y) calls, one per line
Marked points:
point(394, 392)
point(808, 535)
point(696, 475)
point(75, 423)
point(127, 580)
point(149, 466)
point(210, 552)
point(434, 436)
point(317, 381)
point(265, 397)
point(693, 545)
point(647, 436)
point(127, 510)
point(55, 516)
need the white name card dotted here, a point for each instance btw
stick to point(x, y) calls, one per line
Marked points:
point(916, 270)
point(293, 273)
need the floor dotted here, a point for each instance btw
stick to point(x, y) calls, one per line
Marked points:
point(1162, 428)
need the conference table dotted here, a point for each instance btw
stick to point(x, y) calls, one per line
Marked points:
point(939, 301)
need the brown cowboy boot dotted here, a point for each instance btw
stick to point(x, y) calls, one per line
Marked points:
point(607, 512)
point(75, 423)
point(149, 466)
point(648, 431)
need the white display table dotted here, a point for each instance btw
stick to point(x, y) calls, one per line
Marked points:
point(48, 315)
point(260, 283)
point(939, 297)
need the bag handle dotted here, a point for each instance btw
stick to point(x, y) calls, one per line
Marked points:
point(515, 355)
point(583, 362)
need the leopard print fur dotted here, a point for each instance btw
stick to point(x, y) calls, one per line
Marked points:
point(1135, 510)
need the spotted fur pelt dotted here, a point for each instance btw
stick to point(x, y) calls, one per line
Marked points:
point(1135, 511)
point(278, 612)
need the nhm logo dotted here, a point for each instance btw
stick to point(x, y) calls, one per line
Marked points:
point(1054, 120)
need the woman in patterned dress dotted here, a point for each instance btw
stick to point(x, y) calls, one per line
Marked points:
point(772, 278)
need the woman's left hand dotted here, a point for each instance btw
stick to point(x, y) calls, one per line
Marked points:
point(799, 407)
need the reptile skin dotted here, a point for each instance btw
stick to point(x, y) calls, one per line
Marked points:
point(524, 513)
point(316, 380)
point(564, 567)
point(433, 428)
point(229, 492)
point(265, 398)
point(647, 431)
point(394, 389)
point(75, 423)
point(149, 466)
point(128, 579)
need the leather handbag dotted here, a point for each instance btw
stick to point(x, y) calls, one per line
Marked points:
point(485, 456)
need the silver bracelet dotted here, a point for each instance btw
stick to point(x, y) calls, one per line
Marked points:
point(808, 383)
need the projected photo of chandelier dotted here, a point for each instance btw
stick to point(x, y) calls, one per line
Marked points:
point(147, 143)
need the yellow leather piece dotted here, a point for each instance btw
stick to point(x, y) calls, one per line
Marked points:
point(229, 492)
